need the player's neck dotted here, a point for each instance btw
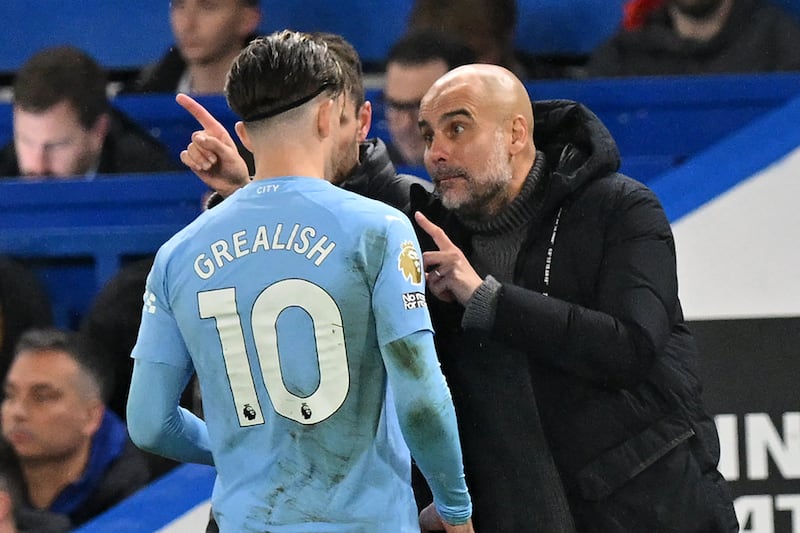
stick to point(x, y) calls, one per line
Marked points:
point(288, 162)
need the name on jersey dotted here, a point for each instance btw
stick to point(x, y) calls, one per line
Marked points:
point(301, 240)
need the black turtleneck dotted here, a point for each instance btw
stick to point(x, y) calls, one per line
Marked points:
point(495, 246)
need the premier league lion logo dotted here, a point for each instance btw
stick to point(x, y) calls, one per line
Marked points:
point(409, 263)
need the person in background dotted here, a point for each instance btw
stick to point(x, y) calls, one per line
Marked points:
point(209, 34)
point(691, 37)
point(311, 440)
point(9, 497)
point(15, 517)
point(74, 453)
point(412, 65)
point(64, 125)
point(24, 304)
point(488, 27)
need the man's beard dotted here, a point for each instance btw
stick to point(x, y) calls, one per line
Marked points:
point(483, 199)
point(697, 9)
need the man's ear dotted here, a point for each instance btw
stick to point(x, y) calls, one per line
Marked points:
point(241, 132)
point(520, 135)
point(364, 120)
point(99, 130)
point(94, 417)
point(324, 116)
point(249, 21)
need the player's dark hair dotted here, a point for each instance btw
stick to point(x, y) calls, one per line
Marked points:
point(279, 72)
point(352, 70)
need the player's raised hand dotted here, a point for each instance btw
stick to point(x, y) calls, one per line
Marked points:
point(212, 154)
point(449, 275)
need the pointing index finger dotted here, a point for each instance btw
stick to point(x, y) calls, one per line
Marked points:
point(437, 234)
point(200, 113)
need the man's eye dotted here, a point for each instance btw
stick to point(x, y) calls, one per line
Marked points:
point(458, 128)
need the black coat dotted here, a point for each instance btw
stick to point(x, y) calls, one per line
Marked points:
point(605, 360)
point(376, 177)
point(756, 37)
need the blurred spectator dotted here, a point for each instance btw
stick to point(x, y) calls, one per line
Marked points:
point(64, 125)
point(75, 454)
point(687, 37)
point(488, 27)
point(209, 34)
point(110, 327)
point(9, 496)
point(412, 65)
point(24, 304)
point(14, 516)
point(112, 323)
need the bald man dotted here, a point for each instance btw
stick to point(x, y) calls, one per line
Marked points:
point(553, 292)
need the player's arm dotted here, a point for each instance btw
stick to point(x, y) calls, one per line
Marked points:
point(428, 422)
point(156, 422)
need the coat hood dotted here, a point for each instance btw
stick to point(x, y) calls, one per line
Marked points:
point(577, 145)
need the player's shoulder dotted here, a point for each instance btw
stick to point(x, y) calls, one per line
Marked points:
point(356, 207)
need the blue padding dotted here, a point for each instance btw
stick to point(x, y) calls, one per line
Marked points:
point(76, 234)
point(729, 161)
point(569, 27)
point(158, 504)
point(131, 34)
point(117, 34)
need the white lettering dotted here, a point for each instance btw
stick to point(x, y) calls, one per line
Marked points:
point(240, 244)
point(304, 238)
point(262, 239)
point(755, 511)
point(791, 503)
point(729, 446)
point(301, 240)
point(269, 187)
point(276, 244)
point(292, 236)
point(220, 251)
point(203, 266)
point(324, 251)
point(762, 441)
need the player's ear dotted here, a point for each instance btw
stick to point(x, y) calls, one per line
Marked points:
point(364, 120)
point(324, 116)
point(241, 131)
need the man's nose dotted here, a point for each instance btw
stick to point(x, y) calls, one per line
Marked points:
point(438, 150)
point(37, 161)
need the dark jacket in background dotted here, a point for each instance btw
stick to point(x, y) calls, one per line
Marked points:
point(116, 469)
point(757, 37)
point(376, 177)
point(163, 76)
point(128, 148)
point(605, 360)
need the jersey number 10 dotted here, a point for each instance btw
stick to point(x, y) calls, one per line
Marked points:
point(220, 304)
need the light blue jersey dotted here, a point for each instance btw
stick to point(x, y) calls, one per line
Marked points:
point(284, 299)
